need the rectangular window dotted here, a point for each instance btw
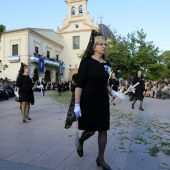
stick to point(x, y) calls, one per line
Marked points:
point(76, 42)
point(36, 50)
point(15, 49)
point(48, 54)
point(57, 57)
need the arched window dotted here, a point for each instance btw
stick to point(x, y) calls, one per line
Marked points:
point(73, 11)
point(80, 10)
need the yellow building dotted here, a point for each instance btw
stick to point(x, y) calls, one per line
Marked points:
point(59, 50)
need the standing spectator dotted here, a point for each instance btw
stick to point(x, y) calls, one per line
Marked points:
point(59, 87)
point(43, 82)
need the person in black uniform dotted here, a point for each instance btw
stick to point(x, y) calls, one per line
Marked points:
point(92, 99)
point(26, 96)
point(43, 82)
point(139, 92)
point(59, 87)
point(114, 83)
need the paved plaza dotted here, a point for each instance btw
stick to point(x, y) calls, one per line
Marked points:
point(136, 141)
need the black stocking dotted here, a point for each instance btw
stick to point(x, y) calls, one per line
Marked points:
point(85, 135)
point(141, 103)
point(102, 140)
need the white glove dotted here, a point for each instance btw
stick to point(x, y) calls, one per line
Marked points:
point(118, 94)
point(114, 93)
point(16, 94)
point(131, 89)
point(77, 110)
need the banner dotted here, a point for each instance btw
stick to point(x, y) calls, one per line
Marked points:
point(41, 65)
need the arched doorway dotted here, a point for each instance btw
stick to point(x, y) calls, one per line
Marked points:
point(47, 76)
point(57, 76)
point(36, 77)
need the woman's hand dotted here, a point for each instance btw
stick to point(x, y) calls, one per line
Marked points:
point(77, 110)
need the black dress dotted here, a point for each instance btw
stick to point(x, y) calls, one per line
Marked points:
point(25, 89)
point(139, 88)
point(94, 103)
point(114, 83)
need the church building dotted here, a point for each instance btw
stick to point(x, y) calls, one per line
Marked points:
point(50, 54)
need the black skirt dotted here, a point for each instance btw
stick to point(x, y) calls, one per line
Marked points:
point(139, 95)
point(95, 113)
point(26, 97)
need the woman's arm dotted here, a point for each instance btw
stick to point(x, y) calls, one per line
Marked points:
point(109, 89)
point(78, 92)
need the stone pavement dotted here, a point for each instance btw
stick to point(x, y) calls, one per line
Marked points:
point(44, 144)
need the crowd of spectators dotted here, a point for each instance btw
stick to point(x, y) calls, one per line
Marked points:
point(6, 89)
point(153, 88)
point(158, 89)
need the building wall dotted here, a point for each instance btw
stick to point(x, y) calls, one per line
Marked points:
point(70, 55)
point(7, 40)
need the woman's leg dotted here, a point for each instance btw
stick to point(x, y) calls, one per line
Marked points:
point(27, 110)
point(85, 135)
point(141, 102)
point(23, 110)
point(102, 141)
point(133, 103)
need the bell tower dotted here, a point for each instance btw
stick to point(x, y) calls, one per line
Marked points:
point(78, 16)
point(75, 31)
point(76, 8)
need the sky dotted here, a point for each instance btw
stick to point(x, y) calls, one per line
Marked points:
point(124, 16)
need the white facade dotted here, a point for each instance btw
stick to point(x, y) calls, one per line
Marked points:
point(27, 39)
point(78, 23)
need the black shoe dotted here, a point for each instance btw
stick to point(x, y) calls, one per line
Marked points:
point(132, 106)
point(24, 121)
point(80, 153)
point(107, 167)
point(140, 108)
point(28, 118)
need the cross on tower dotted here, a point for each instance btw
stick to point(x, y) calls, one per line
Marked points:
point(101, 17)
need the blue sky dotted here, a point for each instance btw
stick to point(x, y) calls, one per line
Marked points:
point(124, 16)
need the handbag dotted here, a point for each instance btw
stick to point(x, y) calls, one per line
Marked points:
point(77, 135)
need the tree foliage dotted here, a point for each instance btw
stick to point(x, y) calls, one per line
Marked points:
point(2, 29)
point(127, 54)
point(2, 67)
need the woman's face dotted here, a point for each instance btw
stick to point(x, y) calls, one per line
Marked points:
point(26, 70)
point(139, 73)
point(113, 75)
point(100, 47)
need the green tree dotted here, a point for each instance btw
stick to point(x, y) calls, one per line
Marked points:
point(2, 29)
point(2, 67)
point(165, 60)
point(127, 54)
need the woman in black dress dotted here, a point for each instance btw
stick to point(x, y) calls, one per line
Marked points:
point(59, 87)
point(114, 83)
point(139, 92)
point(24, 84)
point(92, 99)
point(43, 82)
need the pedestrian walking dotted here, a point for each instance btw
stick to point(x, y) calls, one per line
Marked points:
point(92, 96)
point(26, 96)
point(139, 92)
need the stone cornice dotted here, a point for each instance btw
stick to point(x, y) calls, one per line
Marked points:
point(73, 1)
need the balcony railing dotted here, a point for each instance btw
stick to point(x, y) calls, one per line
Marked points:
point(14, 59)
point(35, 59)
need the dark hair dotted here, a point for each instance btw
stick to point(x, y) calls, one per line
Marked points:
point(137, 72)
